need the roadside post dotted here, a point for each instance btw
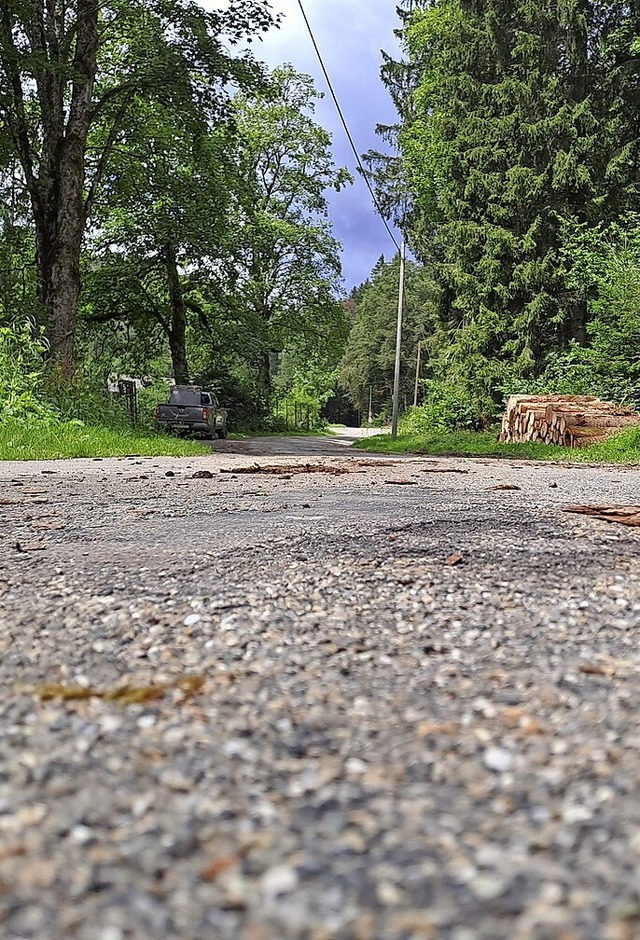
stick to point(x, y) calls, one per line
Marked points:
point(396, 376)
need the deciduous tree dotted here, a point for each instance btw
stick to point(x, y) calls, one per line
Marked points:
point(70, 71)
point(283, 261)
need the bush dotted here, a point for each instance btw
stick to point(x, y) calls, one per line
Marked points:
point(448, 407)
point(246, 411)
point(22, 372)
point(582, 371)
point(149, 397)
point(87, 399)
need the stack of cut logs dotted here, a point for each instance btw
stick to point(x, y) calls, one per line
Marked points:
point(565, 420)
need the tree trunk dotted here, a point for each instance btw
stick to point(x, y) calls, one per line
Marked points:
point(579, 318)
point(178, 331)
point(64, 75)
point(59, 241)
point(264, 377)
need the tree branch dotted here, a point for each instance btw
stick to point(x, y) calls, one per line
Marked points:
point(105, 154)
point(15, 117)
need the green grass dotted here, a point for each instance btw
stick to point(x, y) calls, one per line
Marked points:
point(623, 448)
point(33, 440)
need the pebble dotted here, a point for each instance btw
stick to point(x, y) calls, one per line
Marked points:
point(278, 880)
point(496, 758)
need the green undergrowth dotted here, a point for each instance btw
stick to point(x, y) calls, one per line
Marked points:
point(52, 440)
point(624, 448)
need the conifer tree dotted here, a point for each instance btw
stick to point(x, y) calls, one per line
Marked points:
point(526, 113)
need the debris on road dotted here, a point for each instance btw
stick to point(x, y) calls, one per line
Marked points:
point(123, 695)
point(284, 470)
point(443, 470)
point(287, 469)
point(624, 515)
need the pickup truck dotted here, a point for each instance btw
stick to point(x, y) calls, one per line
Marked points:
point(192, 411)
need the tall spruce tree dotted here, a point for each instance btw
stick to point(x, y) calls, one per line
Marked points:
point(401, 77)
point(525, 113)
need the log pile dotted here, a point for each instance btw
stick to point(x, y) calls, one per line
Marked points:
point(564, 420)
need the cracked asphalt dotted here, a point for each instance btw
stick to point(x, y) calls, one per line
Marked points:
point(378, 699)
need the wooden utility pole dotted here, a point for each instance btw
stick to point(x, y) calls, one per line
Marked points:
point(418, 363)
point(396, 377)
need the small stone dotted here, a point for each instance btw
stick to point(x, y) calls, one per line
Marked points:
point(282, 879)
point(191, 620)
point(146, 721)
point(388, 894)
point(487, 887)
point(110, 933)
point(575, 814)
point(354, 766)
point(81, 835)
point(176, 781)
point(498, 760)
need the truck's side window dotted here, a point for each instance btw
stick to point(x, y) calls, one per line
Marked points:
point(205, 399)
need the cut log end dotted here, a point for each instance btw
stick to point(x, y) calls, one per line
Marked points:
point(563, 420)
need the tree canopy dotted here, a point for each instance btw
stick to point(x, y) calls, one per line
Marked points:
point(70, 75)
point(515, 118)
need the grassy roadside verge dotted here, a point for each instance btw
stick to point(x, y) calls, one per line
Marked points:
point(624, 448)
point(34, 440)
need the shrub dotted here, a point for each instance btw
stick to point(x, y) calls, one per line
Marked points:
point(448, 407)
point(22, 372)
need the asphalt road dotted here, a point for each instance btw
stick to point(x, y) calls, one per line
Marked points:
point(333, 445)
point(354, 699)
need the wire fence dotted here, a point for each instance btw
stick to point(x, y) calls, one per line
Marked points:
point(294, 416)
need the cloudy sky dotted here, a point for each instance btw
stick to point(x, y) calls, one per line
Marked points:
point(350, 34)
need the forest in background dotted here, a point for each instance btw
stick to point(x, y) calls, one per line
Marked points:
point(164, 212)
point(517, 184)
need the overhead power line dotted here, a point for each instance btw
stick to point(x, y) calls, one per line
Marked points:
point(346, 126)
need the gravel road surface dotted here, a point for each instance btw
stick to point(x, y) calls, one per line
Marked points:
point(243, 706)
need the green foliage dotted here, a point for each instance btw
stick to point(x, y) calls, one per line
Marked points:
point(515, 117)
point(22, 372)
point(86, 399)
point(146, 69)
point(602, 265)
point(17, 269)
point(304, 385)
point(447, 407)
point(283, 263)
point(369, 359)
point(236, 392)
point(216, 242)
